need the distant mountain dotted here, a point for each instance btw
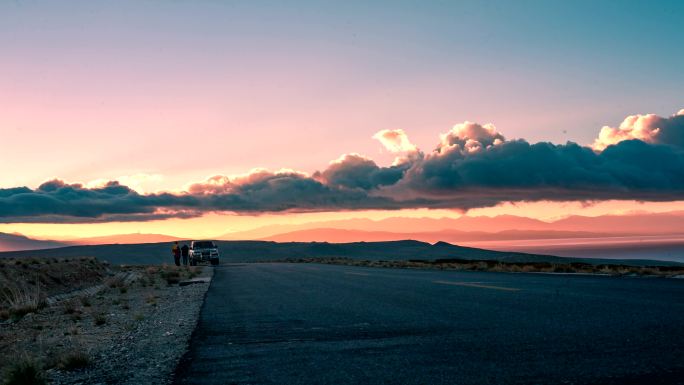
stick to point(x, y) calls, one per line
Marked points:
point(14, 242)
point(646, 223)
point(451, 236)
point(638, 223)
point(401, 225)
point(126, 239)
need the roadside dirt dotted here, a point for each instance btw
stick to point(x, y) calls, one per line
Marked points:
point(128, 325)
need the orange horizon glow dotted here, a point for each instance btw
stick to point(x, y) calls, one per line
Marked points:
point(214, 225)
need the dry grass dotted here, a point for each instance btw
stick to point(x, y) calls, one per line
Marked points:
point(22, 299)
point(56, 336)
point(73, 360)
point(99, 319)
point(115, 282)
point(26, 282)
point(25, 371)
point(508, 267)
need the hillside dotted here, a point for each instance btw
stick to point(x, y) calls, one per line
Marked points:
point(255, 251)
point(126, 238)
point(13, 242)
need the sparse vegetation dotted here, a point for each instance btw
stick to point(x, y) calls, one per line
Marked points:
point(73, 360)
point(499, 266)
point(172, 277)
point(99, 319)
point(85, 301)
point(70, 306)
point(26, 371)
point(63, 334)
point(22, 299)
point(151, 300)
point(115, 282)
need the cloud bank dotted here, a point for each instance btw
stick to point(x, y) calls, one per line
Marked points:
point(473, 165)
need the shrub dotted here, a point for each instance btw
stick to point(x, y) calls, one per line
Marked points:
point(100, 319)
point(69, 307)
point(85, 301)
point(24, 372)
point(73, 361)
point(171, 276)
point(22, 300)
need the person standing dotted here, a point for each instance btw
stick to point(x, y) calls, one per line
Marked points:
point(176, 253)
point(185, 250)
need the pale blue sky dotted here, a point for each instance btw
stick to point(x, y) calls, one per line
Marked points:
point(297, 83)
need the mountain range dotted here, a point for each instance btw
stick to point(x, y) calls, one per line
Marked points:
point(526, 228)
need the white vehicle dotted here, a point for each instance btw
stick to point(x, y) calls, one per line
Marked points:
point(203, 251)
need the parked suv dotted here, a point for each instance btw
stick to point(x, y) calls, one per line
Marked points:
point(203, 251)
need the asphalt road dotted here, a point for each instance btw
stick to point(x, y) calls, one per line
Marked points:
point(323, 324)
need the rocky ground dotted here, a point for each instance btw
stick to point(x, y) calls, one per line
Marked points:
point(131, 327)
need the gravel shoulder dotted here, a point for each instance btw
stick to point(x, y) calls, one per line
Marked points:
point(133, 329)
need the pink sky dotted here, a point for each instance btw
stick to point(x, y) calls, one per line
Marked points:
point(162, 95)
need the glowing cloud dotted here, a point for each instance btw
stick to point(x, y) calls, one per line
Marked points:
point(648, 128)
point(139, 182)
point(469, 137)
point(395, 141)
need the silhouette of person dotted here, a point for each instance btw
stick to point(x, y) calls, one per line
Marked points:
point(185, 250)
point(176, 253)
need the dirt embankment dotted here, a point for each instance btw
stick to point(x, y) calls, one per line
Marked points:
point(115, 325)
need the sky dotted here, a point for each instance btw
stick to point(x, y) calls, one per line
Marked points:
point(161, 96)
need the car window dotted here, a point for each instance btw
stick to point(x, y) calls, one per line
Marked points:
point(203, 244)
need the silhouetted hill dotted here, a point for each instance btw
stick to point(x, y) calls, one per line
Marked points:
point(254, 251)
point(126, 238)
point(13, 242)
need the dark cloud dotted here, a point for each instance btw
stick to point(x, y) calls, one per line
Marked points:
point(520, 171)
point(473, 166)
point(56, 200)
point(355, 171)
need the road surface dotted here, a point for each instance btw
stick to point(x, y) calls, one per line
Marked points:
point(324, 324)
